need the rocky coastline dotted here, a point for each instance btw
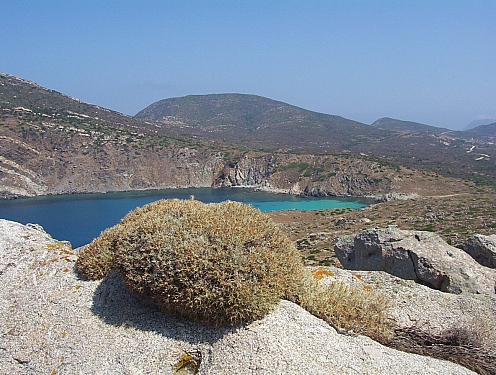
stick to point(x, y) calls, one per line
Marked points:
point(304, 175)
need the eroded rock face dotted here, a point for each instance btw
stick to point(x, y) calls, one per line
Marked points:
point(416, 255)
point(250, 170)
point(482, 249)
point(52, 321)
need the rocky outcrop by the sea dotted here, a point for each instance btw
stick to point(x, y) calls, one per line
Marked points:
point(53, 322)
point(113, 167)
point(249, 170)
point(415, 255)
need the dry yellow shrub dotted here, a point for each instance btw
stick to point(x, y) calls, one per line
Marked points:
point(222, 263)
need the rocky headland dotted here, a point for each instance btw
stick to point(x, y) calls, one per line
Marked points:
point(54, 144)
point(85, 166)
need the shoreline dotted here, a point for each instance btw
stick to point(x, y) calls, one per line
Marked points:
point(376, 198)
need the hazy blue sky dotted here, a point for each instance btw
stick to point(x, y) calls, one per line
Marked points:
point(427, 61)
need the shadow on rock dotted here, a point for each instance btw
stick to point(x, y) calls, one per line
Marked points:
point(115, 305)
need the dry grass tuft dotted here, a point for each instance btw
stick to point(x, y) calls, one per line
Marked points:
point(348, 309)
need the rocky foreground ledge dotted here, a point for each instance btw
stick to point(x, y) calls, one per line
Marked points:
point(52, 322)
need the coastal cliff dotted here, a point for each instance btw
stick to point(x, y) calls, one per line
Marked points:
point(51, 143)
point(25, 171)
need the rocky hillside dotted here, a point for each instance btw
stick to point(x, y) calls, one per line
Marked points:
point(476, 123)
point(259, 122)
point(52, 144)
point(482, 132)
point(409, 126)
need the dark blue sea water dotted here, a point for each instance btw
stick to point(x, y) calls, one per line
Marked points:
point(80, 218)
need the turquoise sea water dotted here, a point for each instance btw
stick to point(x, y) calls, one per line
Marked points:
point(80, 218)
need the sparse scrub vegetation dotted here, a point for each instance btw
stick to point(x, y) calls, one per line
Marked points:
point(454, 217)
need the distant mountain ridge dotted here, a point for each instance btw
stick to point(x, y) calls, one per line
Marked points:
point(485, 132)
point(410, 126)
point(481, 132)
point(257, 122)
point(477, 123)
point(51, 143)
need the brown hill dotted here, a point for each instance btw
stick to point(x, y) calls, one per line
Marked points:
point(51, 144)
point(257, 122)
point(260, 121)
point(482, 133)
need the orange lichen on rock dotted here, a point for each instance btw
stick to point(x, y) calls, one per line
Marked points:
point(320, 273)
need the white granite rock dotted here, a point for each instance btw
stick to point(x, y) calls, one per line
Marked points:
point(53, 322)
point(416, 255)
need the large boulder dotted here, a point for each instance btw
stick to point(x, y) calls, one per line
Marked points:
point(482, 249)
point(52, 322)
point(415, 255)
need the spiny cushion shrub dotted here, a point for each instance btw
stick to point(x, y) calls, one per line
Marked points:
point(222, 263)
point(97, 259)
point(213, 263)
